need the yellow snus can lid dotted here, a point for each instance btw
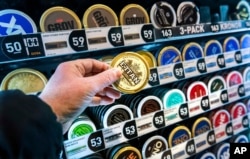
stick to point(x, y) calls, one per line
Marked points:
point(135, 72)
point(25, 79)
point(59, 18)
point(133, 14)
point(99, 15)
point(148, 56)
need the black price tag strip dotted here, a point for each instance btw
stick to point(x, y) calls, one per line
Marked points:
point(34, 45)
point(154, 78)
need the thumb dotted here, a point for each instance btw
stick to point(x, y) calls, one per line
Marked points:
point(105, 78)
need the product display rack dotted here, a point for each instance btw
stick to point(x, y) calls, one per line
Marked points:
point(34, 50)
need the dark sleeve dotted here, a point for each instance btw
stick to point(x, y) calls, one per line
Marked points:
point(28, 128)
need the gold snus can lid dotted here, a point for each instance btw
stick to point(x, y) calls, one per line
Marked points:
point(135, 72)
point(59, 18)
point(99, 15)
point(25, 79)
point(133, 14)
point(148, 56)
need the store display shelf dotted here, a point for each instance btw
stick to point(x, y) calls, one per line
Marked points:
point(131, 129)
point(19, 47)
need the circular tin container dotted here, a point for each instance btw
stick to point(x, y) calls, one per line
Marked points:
point(206, 155)
point(222, 149)
point(179, 135)
point(154, 145)
point(173, 97)
point(200, 126)
point(188, 13)
point(149, 104)
point(99, 15)
point(81, 126)
point(234, 78)
point(246, 74)
point(231, 44)
point(135, 72)
point(168, 55)
point(219, 117)
point(162, 14)
point(216, 83)
point(115, 114)
point(212, 47)
point(239, 139)
point(133, 14)
point(245, 41)
point(59, 18)
point(237, 110)
point(25, 79)
point(16, 22)
point(149, 58)
point(192, 51)
point(196, 89)
point(243, 10)
point(123, 151)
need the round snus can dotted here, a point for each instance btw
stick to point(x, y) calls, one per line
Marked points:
point(133, 14)
point(200, 126)
point(81, 126)
point(154, 145)
point(179, 135)
point(205, 155)
point(188, 13)
point(212, 47)
point(219, 117)
point(25, 79)
point(168, 55)
point(117, 113)
point(162, 14)
point(231, 44)
point(192, 51)
point(216, 83)
point(172, 98)
point(234, 78)
point(196, 90)
point(59, 18)
point(14, 22)
point(245, 41)
point(99, 15)
point(123, 151)
point(135, 72)
point(237, 110)
point(148, 56)
point(222, 151)
point(242, 10)
point(239, 139)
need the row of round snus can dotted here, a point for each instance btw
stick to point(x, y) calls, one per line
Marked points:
point(153, 143)
point(162, 14)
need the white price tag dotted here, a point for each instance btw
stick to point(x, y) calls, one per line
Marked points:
point(230, 59)
point(56, 43)
point(245, 55)
point(247, 88)
point(145, 124)
point(211, 63)
point(113, 135)
point(190, 68)
point(172, 116)
point(223, 132)
point(195, 107)
point(166, 74)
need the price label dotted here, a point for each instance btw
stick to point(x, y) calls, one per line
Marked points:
point(34, 45)
point(158, 119)
point(167, 154)
point(205, 104)
point(147, 33)
point(224, 96)
point(245, 121)
point(115, 36)
point(183, 111)
point(190, 147)
point(179, 71)
point(241, 90)
point(153, 78)
point(166, 33)
point(215, 27)
point(221, 61)
point(201, 66)
point(77, 40)
point(129, 129)
point(96, 142)
point(211, 138)
point(238, 57)
point(229, 129)
point(13, 47)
